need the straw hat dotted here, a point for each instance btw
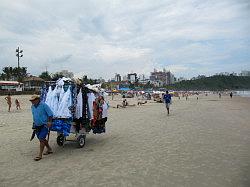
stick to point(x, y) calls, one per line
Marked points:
point(34, 97)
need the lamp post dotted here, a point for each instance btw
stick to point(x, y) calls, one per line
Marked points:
point(19, 54)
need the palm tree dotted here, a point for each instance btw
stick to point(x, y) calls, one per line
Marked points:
point(45, 76)
point(8, 71)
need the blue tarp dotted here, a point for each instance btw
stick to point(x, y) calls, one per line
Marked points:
point(62, 126)
point(124, 89)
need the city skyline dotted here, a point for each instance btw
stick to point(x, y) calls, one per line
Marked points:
point(100, 38)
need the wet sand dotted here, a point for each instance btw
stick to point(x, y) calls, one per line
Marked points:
point(201, 143)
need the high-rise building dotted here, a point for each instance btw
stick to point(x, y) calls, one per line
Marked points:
point(118, 77)
point(166, 77)
point(170, 78)
point(132, 77)
point(125, 78)
point(245, 73)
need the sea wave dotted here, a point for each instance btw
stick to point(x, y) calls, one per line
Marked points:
point(244, 93)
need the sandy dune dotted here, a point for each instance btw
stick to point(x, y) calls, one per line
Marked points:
point(201, 143)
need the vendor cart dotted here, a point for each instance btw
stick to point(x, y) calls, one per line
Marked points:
point(80, 138)
point(77, 120)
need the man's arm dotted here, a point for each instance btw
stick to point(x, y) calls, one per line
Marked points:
point(49, 113)
point(49, 121)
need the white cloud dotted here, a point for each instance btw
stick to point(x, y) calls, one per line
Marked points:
point(177, 68)
point(110, 53)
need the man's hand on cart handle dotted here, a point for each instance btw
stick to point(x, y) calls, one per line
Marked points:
point(49, 124)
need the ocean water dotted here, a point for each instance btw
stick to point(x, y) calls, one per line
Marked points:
point(243, 93)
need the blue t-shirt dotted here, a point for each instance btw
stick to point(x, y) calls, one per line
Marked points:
point(40, 113)
point(167, 98)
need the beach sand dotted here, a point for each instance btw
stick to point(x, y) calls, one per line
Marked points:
point(202, 142)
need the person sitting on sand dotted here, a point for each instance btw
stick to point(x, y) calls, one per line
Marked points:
point(8, 99)
point(124, 104)
point(141, 102)
point(17, 104)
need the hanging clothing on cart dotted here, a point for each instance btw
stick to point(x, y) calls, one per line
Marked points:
point(62, 125)
point(53, 104)
point(91, 99)
point(78, 112)
point(48, 96)
point(74, 99)
point(43, 94)
point(96, 115)
point(63, 108)
point(104, 110)
point(100, 118)
point(60, 92)
point(104, 114)
point(97, 109)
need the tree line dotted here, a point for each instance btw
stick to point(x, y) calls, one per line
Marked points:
point(19, 74)
point(214, 83)
point(14, 73)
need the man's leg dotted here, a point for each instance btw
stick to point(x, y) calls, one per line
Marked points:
point(42, 145)
point(167, 105)
point(46, 142)
point(41, 135)
point(49, 149)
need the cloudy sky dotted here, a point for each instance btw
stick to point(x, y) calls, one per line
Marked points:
point(99, 38)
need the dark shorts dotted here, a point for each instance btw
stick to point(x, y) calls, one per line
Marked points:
point(167, 105)
point(42, 133)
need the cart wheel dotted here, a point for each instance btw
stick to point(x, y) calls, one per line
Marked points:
point(81, 140)
point(60, 140)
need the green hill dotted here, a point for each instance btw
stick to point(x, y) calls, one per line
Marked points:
point(216, 82)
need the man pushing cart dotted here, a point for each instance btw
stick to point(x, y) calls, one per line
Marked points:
point(76, 110)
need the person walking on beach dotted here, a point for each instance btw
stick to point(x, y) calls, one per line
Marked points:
point(42, 121)
point(231, 95)
point(8, 99)
point(167, 99)
point(17, 104)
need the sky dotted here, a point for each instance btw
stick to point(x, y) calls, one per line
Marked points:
point(99, 38)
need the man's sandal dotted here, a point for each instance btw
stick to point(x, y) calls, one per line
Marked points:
point(37, 158)
point(48, 152)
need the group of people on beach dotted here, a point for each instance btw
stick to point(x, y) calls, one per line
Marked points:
point(42, 118)
point(167, 99)
point(9, 103)
point(231, 95)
